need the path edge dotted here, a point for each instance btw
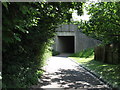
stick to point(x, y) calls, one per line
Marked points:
point(96, 75)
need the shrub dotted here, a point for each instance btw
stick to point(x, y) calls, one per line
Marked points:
point(54, 53)
point(84, 53)
point(27, 31)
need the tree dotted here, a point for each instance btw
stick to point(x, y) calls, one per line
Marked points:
point(104, 23)
point(27, 30)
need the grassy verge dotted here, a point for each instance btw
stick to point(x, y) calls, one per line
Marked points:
point(109, 72)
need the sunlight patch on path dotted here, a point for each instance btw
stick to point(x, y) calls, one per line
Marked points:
point(56, 63)
point(63, 73)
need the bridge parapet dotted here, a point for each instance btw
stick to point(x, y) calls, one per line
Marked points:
point(67, 28)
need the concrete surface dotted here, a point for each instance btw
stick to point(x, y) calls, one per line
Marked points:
point(62, 73)
point(81, 41)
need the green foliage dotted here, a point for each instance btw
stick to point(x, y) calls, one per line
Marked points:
point(27, 32)
point(54, 53)
point(84, 53)
point(104, 23)
point(109, 72)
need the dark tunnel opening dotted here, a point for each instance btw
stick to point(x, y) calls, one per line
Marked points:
point(66, 44)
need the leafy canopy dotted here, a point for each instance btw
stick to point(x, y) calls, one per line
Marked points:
point(27, 30)
point(21, 16)
point(104, 23)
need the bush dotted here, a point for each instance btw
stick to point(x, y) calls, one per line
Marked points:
point(84, 53)
point(22, 69)
point(27, 31)
point(23, 53)
point(54, 53)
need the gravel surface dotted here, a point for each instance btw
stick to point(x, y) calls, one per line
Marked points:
point(62, 73)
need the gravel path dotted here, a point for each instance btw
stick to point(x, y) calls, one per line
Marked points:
point(62, 73)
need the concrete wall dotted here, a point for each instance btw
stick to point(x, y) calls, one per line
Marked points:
point(84, 42)
point(81, 41)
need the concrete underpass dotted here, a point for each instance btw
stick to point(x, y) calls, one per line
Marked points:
point(69, 39)
point(66, 44)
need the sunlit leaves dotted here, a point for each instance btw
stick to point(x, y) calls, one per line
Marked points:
point(5, 4)
point(104, 22)
point(27, 29)
point(16, 36)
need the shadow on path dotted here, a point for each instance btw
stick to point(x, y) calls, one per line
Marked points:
point(68, 75)
point(69, 79)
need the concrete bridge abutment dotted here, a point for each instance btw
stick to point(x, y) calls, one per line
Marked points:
point(69, 39)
